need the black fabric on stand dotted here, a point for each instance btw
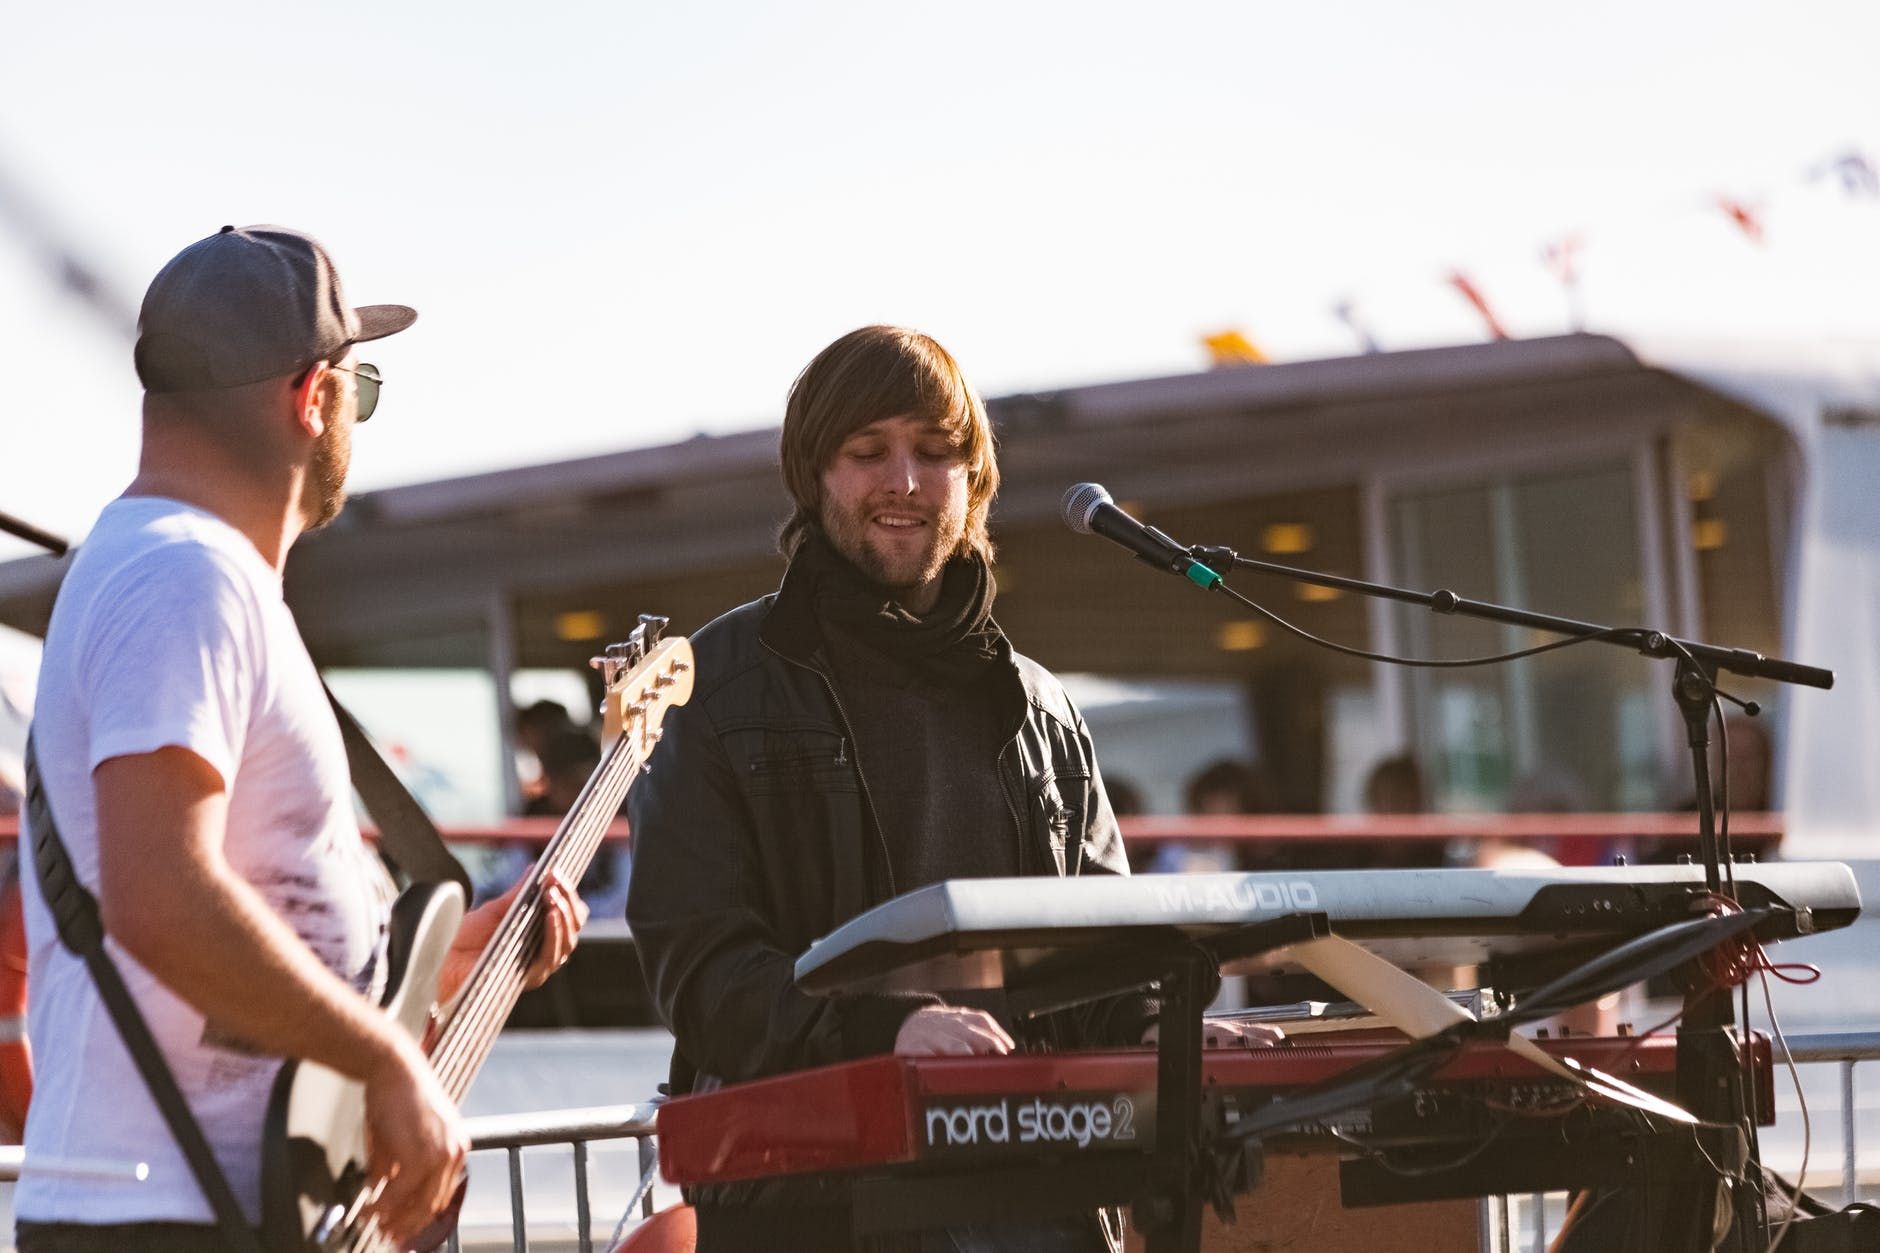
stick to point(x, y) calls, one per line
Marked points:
point(406, 833)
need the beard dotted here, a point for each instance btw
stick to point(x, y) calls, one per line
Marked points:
point(324, 493)
point(892, 563)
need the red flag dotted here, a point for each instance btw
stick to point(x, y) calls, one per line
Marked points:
point(1563, 258)
point(1471, 293)
point(1747, 219)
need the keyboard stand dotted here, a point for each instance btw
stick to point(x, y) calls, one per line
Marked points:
point(1165, 1187)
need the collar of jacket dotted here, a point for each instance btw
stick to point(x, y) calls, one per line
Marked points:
point(790, 628)
point(791, 631)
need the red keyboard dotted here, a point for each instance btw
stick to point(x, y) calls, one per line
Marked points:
point(889, 1111)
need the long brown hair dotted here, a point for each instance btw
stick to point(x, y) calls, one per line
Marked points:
point(874, 373)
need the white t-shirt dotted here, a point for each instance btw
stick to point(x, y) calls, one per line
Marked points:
point(170, 630)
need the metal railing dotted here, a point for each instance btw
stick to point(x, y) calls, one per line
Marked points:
point(1844, 1048)
point(510, 1134)
point(577, 1128)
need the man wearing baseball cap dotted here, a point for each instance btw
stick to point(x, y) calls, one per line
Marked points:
point(199, 781)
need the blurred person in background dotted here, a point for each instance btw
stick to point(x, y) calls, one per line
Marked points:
point(1395, 787)
point(1219, 789)
point(1748, 762)
point(536, 725)
point(1547, 789)
point(570, 756)
point(494, 867)
point(1125, 802)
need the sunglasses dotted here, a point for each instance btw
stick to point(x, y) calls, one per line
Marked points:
point(369, 380)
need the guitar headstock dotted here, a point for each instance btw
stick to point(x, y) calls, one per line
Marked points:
point(643, 677)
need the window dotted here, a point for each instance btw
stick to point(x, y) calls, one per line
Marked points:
point(1566, 731)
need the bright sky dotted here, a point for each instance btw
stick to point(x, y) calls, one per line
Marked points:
point(624, 223)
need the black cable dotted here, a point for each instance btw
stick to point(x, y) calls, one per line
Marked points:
point(1722, 806)
point(1726, 856)
point(1381, 1155)
point(1393, 1074)
point(1643, 957)
point(1430, 662)
point(1596, 1197)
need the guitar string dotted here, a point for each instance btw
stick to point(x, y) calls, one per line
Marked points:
point(472, 1025)
point(462, 1038)
point(481, 1015)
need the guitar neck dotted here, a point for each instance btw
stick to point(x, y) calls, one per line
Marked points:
point(469, 1029)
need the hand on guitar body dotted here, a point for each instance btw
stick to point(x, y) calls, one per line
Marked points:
point(415, 1142)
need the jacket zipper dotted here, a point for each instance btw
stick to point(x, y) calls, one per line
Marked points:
point(1018, 823)
point(1011, 785)
point(848, 730)
point(778, 765)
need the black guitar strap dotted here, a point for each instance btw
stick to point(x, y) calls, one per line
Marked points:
point(81, 929)
point(407, 836)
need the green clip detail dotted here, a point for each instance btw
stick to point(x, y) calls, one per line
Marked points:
point(1201, 576)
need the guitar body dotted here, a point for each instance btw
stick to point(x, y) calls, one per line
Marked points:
point(313, 1166)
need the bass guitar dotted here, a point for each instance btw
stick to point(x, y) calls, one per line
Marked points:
point(315, 1190)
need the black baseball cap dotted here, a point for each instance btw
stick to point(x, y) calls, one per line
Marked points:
point(246, 304)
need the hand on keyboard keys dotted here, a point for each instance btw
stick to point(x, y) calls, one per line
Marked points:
point(1220, 1033)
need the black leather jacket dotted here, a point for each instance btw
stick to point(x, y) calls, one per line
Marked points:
point(754, 834)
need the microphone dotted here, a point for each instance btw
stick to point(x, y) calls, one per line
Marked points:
point(1088, 510)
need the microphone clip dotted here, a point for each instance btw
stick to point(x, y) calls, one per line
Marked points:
point(1215, 557)
point(1174, 558)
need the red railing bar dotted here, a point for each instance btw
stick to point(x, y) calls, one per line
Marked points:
point(1524, 828)
point(1758, 829)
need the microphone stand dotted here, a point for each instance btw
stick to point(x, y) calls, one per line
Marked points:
point(1712, 1069)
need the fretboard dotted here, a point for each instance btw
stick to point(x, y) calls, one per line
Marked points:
point(496, 981)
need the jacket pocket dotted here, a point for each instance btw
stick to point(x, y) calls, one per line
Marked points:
point(794, 760)
point(1056, 806)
